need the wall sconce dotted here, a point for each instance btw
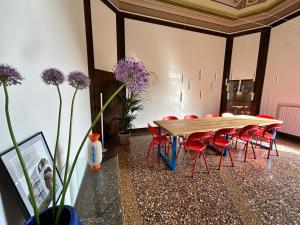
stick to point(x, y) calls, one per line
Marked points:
point(189, 85)
point(200, 74)
point(180, 96)
point(239, 87)
point(200, 95)
point(252, 96)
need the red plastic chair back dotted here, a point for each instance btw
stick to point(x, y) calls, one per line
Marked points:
point(170, 118)
point(248, 130)
point(226, 114)
point(225, 131)
point(212, 115)
point(153, 131)
point(266, 116)
point(189, 117)
point(272, 128)
point(198, 136)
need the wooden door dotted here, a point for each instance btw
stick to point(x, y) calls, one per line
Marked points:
point(104, 82)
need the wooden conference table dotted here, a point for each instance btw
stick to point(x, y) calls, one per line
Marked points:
point(185, 127)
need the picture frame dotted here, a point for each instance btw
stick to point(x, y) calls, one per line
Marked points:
point(39, 161)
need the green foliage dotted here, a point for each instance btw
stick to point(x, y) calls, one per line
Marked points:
point(131, 104)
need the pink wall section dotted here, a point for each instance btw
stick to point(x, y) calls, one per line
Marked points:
point(282, 79)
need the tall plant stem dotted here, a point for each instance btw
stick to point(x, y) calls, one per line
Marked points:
point(62, 201)
point(70, 137)
point(55, 156)
point(11, 132)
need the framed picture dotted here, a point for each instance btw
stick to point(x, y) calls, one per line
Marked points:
point(38, 160)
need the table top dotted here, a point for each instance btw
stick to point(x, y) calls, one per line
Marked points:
point(185, 127)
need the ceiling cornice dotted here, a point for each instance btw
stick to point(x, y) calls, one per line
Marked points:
point(183, 15)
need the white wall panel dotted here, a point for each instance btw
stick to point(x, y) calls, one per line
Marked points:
point(244, 56)
point(283, 68)
point(104, 35)
point(169, 53)
point(36, 35)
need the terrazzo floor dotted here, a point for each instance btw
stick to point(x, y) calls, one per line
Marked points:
point(258, 191)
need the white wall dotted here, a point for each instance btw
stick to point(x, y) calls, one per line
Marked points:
point(170, 52)
point(283, 62)
point(104, 35)
point(36, 35)
point(244, 56)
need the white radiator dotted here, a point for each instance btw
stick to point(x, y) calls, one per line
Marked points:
point(290, 115)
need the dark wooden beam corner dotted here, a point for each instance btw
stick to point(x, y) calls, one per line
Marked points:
point(90, 52)
point(261, 69)
point(226, 73)
point(120, 26)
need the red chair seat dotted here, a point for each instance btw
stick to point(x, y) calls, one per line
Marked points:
point(196, 145)
point(163, 139)
point(267, 135)
point(245, 137)
point(221, 141)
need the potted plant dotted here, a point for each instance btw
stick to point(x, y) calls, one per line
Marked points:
point(134, 76)
point(131, 104)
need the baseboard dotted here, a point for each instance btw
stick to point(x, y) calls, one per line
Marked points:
point(139, 130)
point(288, 136)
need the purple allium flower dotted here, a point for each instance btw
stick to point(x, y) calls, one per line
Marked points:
point(9, 75)
point(78, 80)
point(133, 73)
point(53, 76)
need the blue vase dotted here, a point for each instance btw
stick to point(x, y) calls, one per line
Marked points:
point(69, 216)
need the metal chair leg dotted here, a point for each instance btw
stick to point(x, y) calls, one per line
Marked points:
point(149, 150)
point(204, 159)
point(270, 148)
point(246, 149)
point(276, 147)
point(253, 149)
point(229, 152)
point(221, 159)
point(195, 164)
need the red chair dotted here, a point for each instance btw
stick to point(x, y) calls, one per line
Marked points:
point(265, 116)
point(269, 134)
point(158, 139)
point(170, 118)
point(211, 115)
point(226, 114)
point(201, 136)
point(220, 141)
point(246, 135)
point(189, 117)
point(195, 146)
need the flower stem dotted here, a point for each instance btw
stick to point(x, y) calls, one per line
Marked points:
point(62, 201)
point(70, 137)
point(55, 156)
point(28, 181)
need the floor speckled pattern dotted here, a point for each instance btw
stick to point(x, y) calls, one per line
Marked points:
point(259, 191)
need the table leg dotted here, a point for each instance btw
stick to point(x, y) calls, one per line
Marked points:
point(158, 147)
point(226, 149)
point(171, 163)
